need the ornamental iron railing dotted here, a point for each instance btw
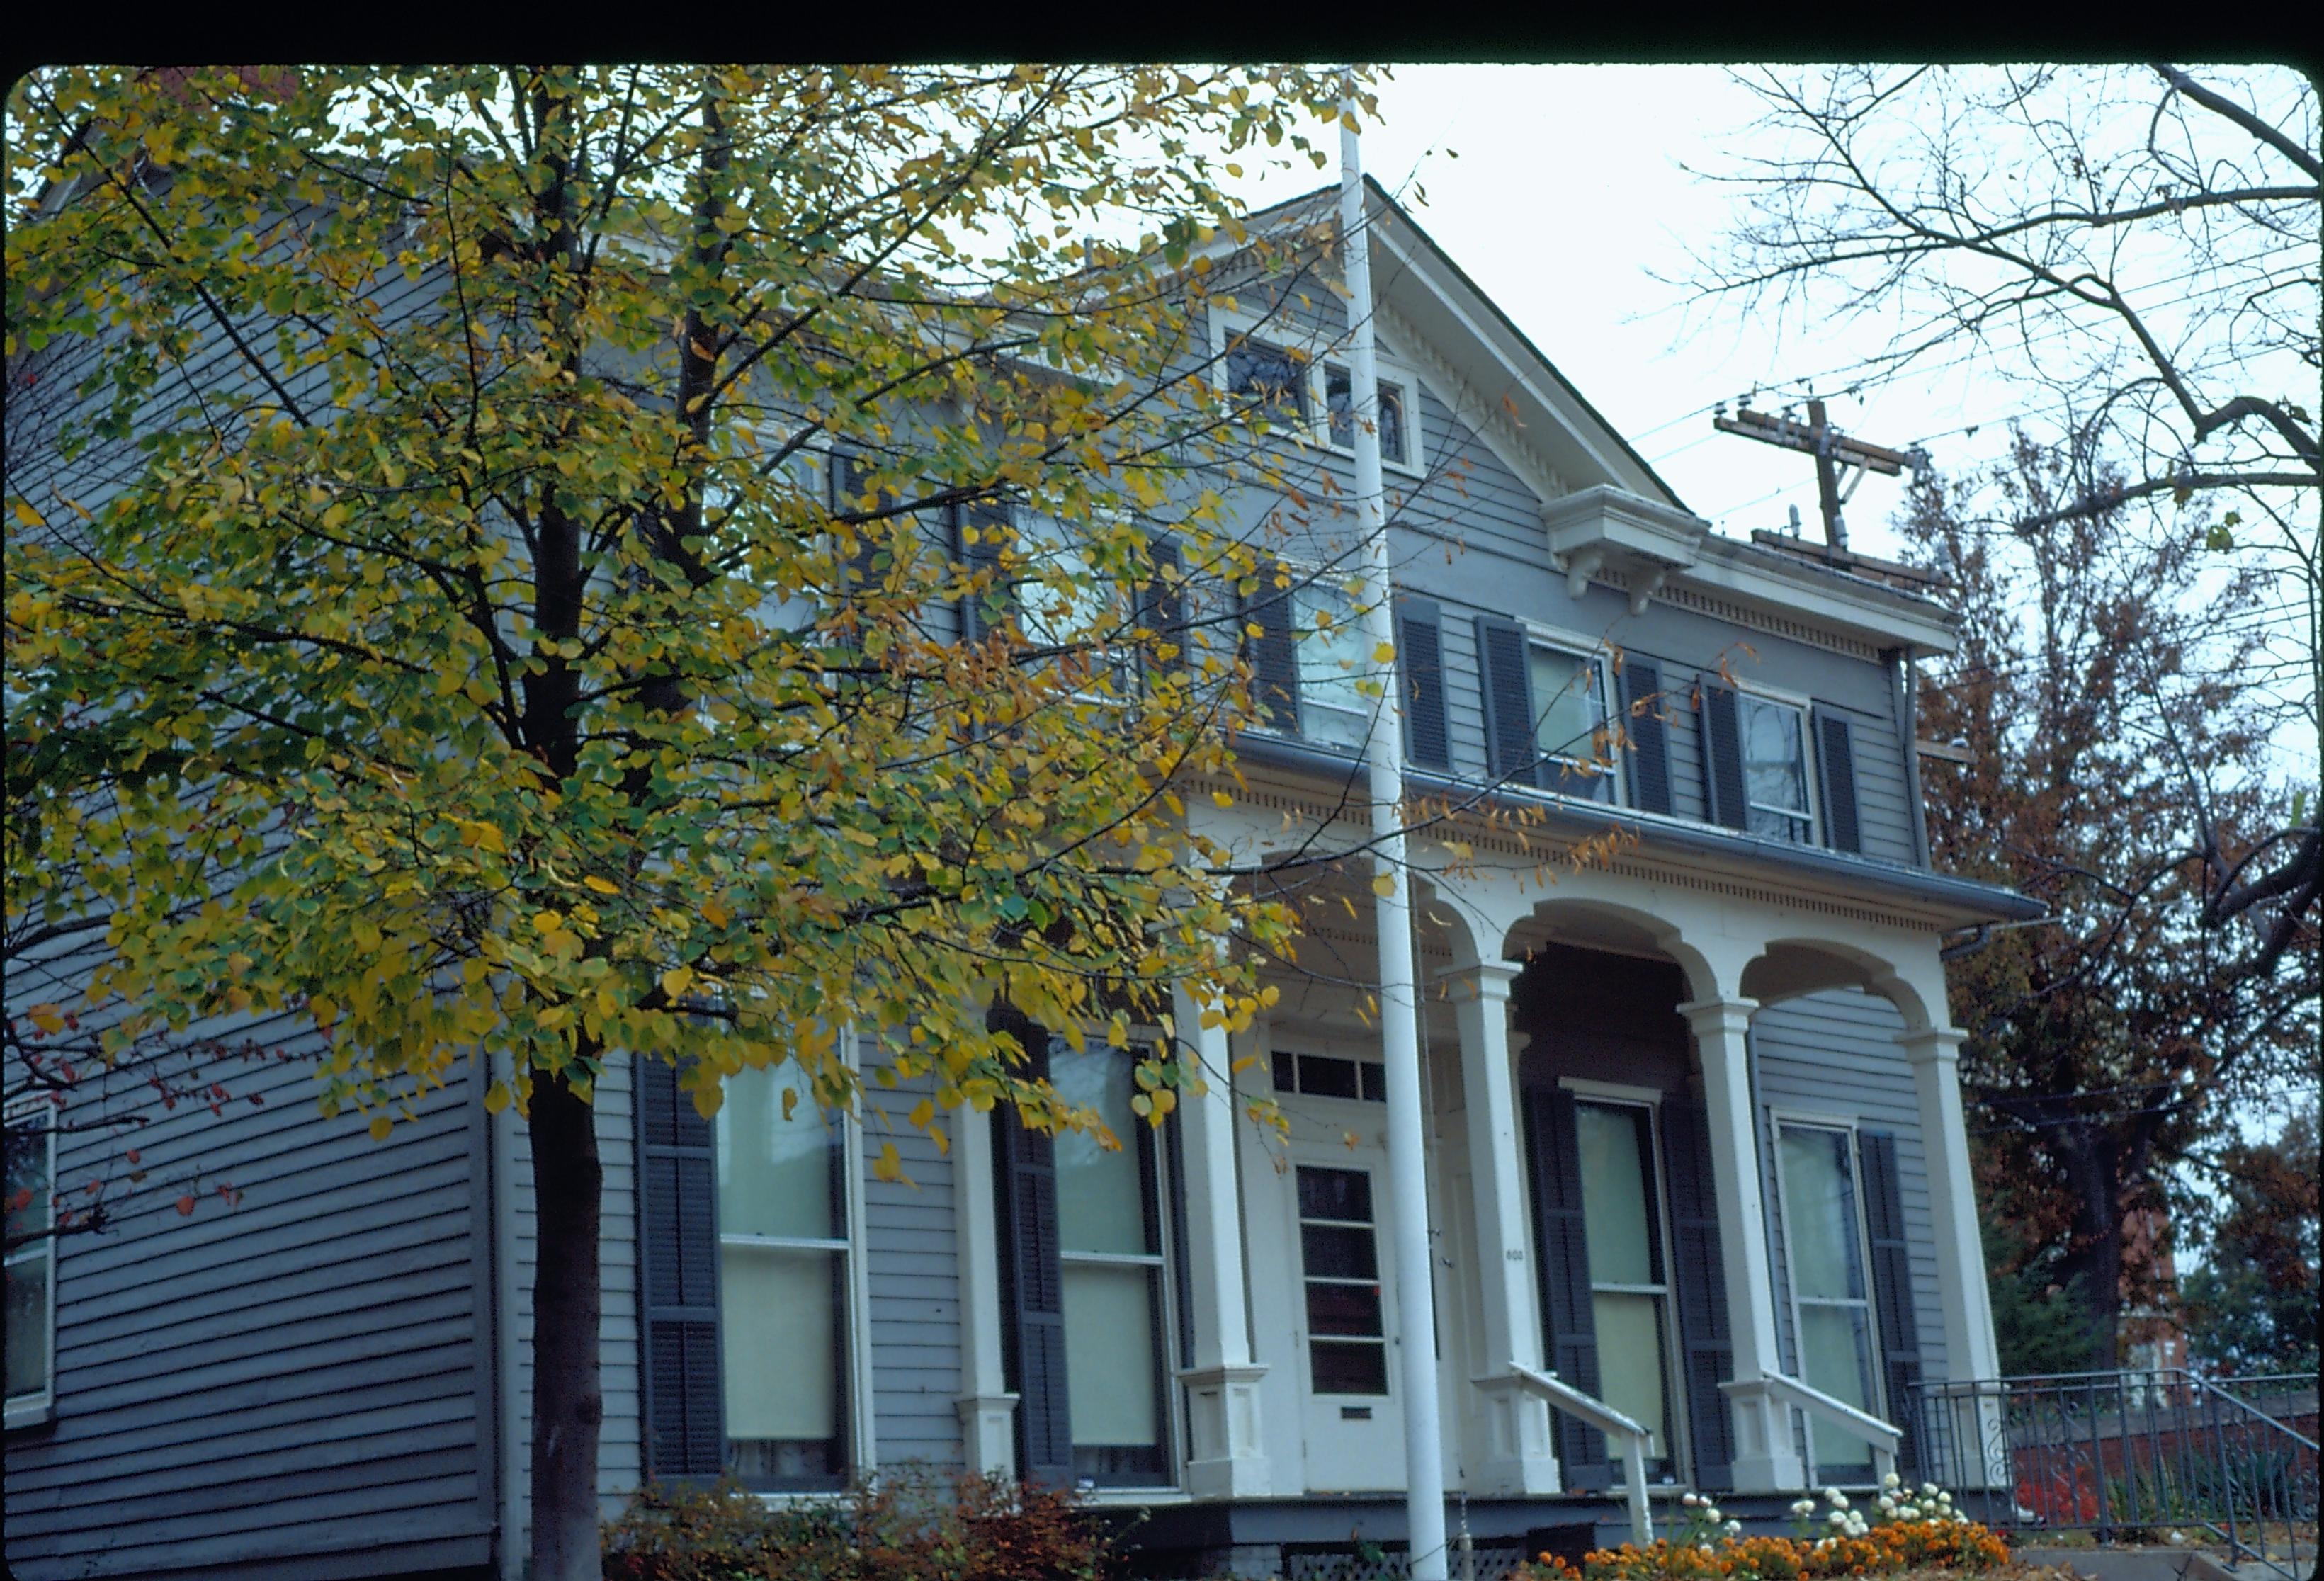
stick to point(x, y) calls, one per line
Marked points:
point(2132, 1456)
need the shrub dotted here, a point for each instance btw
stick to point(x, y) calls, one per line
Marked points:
point(903, 1527)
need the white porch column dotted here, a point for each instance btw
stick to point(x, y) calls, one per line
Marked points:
point(1518, 1459)
point(1766, 1458)
point(1966, 1443)
point(1226, 1459)
point(987, 1409)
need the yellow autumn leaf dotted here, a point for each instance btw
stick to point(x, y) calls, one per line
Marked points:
point(889, 1165)
point(1383, 885)
point(676, 981)
point(496, 1097)
point(1385, 653)
point(46, 1018)
point(379, 1126)
point(601, 885)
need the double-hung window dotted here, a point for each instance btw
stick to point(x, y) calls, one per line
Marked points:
point(1831, 1307)
point(31, 1263)
point(785, 1284)
point(1629, 1281)
point(1334, 662)
point(1569, 700)
point(1775, 773)
point(1265, 379)
point(1112, 1258)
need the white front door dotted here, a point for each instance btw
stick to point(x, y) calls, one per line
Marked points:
point(1344, 1316)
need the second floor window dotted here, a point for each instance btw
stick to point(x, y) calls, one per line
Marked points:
point(1775, 769)
point(1334, 663)
point(1339, 397)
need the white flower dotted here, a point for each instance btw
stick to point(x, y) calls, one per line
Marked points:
point(1927, 1490)
point(1943, 1498)
point(1833, 1494)
point(1838, 1518)
point(1804, 1507)
point(2178, 1537)
point(1735, 1529)
point(1823, 1543)
point(1839, 1500)
point(1706, 1548)
point(1887, 1505)
point(1690, 1500)
point(1891, 1479)
point(1711, 1513)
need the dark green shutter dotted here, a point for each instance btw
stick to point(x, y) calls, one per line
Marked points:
point(1032, 1282)
point(1511, 753)
point(1722, 755)
point(1836, 761)
point(1698, 1283)
point(1162, 608)
point(1892, 1286)
point(1273, 653)
point(1642, 704)
point(1569, 1317)
point(992, 604)
point(1420, 655)
point(678, 1281)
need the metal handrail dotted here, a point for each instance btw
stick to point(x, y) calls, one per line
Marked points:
point(1884, 1437)
point(1598, 1414)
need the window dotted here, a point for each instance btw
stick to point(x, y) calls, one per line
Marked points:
point(1569, 701)
point(1078, 605)
point(1328, 1076)
point(1334, 663)
point(1629, 1287)
point(1339, 400)
point(1775, 769)
point(1339, 1253)
point(31, 1261)
point(1824, 1240)
point(784, 1283)
point(1267, 377)
point(1112, 1257)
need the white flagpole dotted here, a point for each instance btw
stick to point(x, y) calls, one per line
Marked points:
point(1407, 1171)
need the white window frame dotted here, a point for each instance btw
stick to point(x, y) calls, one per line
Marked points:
point(32, 1409)
point(859, 1439)
point(1875, 1392)
point(1314, 353)
point(1164, 1261)
point(1810, 770)
point(1679, 1422)
point(1598, 655)
point(1304, 576)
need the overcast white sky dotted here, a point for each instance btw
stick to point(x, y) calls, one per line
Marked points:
point(1567, 198)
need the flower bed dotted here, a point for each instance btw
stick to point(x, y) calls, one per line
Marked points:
point(1902, 1530)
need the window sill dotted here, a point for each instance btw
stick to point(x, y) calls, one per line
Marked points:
point(31, 1413)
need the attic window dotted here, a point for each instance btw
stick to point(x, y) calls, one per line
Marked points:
point(1339, 397)
point(1267, 377)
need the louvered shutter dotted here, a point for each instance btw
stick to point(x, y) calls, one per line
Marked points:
point(1836, 761)
point(1568, 1313)
point(677, 1280)
point(1420, 656)
point(1033, 1281)
point(989, 607)
point(848, 473)
point(1699, 1284)
point(1273, 653)
point(1162, 608)
point(1722, 755)
point(1510, 751)
point(1892, 1288)
point(1642, 684)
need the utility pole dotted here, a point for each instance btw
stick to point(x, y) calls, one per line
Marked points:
point(1832, 450)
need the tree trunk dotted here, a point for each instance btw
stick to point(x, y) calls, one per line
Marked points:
point(567, 1404)
point(2093, 1172)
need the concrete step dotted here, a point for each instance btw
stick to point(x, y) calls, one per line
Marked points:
point(2163, 1564)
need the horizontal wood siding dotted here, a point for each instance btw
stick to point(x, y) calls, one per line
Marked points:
point(1834, 1055)
point(293, 1384)
point(912, 1270)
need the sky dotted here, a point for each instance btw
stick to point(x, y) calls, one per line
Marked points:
point(1565, 192)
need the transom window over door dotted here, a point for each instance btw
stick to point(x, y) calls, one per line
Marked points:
point(783, 1283)
point(1629, 1287)
point(1775, 769)
point(1833, 1313)
point(1109, 1247)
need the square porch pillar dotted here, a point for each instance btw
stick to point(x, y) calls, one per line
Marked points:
point(1965, 1439)
point(1227, 1456)
point(986, 1408)
point(1767, 1460)
point(1519, 1459)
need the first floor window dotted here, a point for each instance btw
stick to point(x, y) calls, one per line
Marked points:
point(1111, 1251)
point(1775, 769)
point(1824, 1241)
point(783, 1283)
point(31, 1254)
point(1629, 1289)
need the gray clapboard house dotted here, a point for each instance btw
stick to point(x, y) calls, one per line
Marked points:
point(1695, 1136)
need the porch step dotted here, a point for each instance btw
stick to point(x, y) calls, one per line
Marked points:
point(2153, 1563)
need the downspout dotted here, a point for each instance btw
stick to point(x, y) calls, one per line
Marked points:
point(1903, 700)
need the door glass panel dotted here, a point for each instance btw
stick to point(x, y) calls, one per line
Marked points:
point(1631, 1362)
point(1341, 1265)
point(1617, 1204)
